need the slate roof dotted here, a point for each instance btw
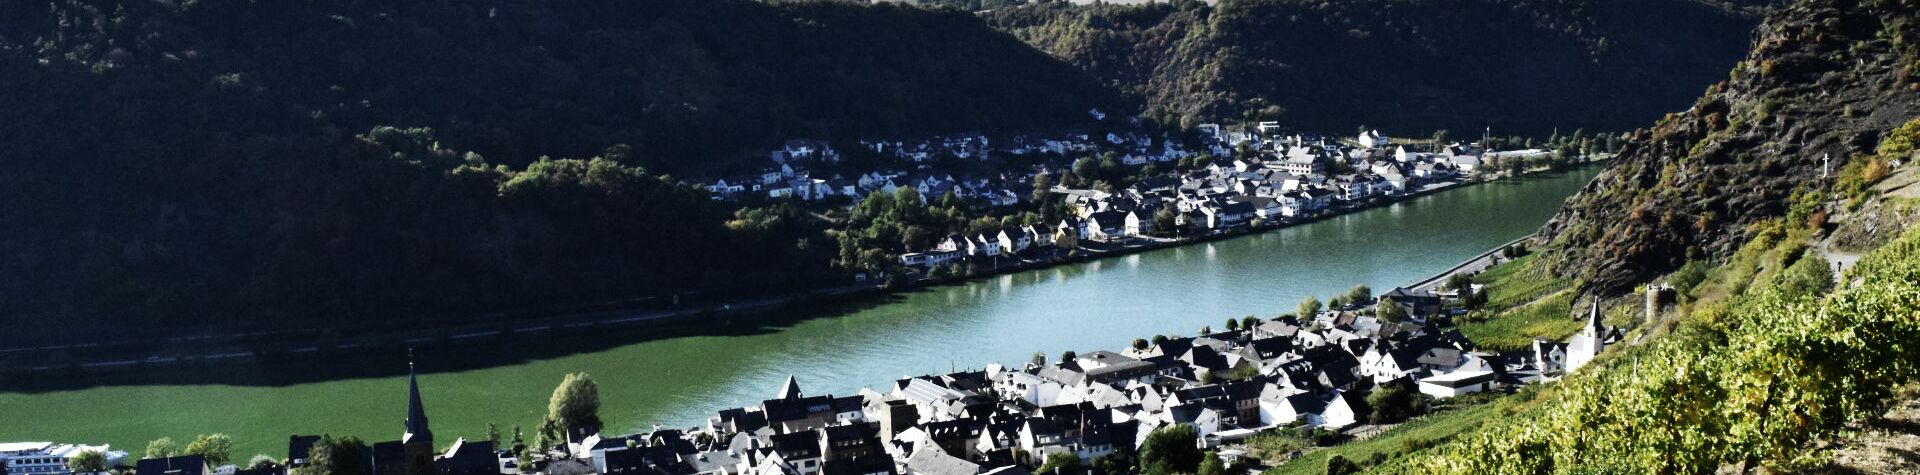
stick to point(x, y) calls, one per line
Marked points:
point(933, 461)
point(797, 445)
point(877, 463)
point(181, 465)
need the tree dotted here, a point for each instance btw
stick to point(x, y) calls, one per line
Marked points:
point(1309, 307)
point(1810, 276)
point(262, 461)
point(493, 434)
point(1339, 465)
point(1360, 294)
point(1248, 322)
point(575, 405)
point(1165, 222)
point(1395, 402)
point(88, 461)
point(1039, 358)
point(1042, 186)
point(1210, 464)
point(217, 448)
point(1169, 450)
point(1066, 356)
point(1059, 461)
point(1140, 343)
point(1159, 339)
point(1086, 168)
point(1439, 138)
point(1459, 281)
point(1390, 310)
point(336, 456)
point(162, 448)
point(1233, 324)
point(1474, 298)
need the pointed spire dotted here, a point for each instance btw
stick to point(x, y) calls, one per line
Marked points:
point(791, 390)
point(1593, 319)
point(416, 410)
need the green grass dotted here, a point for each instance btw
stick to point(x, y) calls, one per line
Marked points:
point(1434, 428)
point(1516, 328)
point(1517, 282)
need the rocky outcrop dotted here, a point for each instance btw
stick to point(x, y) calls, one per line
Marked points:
point(1824, 81)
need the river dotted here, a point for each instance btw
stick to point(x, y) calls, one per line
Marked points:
point(678, 377)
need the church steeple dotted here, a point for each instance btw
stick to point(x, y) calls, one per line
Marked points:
point(416, 410)
point(788, 391)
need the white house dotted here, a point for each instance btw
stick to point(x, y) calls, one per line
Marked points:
point(1014, 240)
point(1457, 383)
point(1373, 139)
point(47, 458)
point(1139, 223)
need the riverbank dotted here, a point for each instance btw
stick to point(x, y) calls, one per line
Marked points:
point(1133, 245)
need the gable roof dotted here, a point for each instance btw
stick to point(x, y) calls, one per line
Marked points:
point(181, 465)
point(930, 460)
point(797, 445)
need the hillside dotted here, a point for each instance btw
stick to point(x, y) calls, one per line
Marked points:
point(1824, 79)
point(270, 165)
point(1409, 66)
point(1763, 360)
point(517, 79)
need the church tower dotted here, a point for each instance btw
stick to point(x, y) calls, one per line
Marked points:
point(418, 439)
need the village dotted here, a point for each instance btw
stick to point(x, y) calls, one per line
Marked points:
point(1140, 188)
point(1327, 375)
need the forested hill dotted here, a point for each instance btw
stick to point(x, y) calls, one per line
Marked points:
point(1824, 79)
point(1522, 66)
point(228, 163)
point(677, 81)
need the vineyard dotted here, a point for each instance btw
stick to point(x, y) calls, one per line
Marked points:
point(1515, 328)
point(1518, 282)
point(1748, 383)
point(1524, 301)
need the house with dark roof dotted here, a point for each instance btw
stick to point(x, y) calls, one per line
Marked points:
point(298, 448)
point(181, 465)
point(849, 442)
point(1108, 224)
point(881, 464)
point(468, 458)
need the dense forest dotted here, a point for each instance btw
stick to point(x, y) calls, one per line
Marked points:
point(228, 163)
point(1407, 66)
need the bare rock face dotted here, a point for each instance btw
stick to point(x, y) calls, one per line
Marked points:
point(1825, 79)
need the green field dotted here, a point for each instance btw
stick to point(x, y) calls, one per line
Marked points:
point(1517, 282)
point(1394, 443)
point(1516, 328)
